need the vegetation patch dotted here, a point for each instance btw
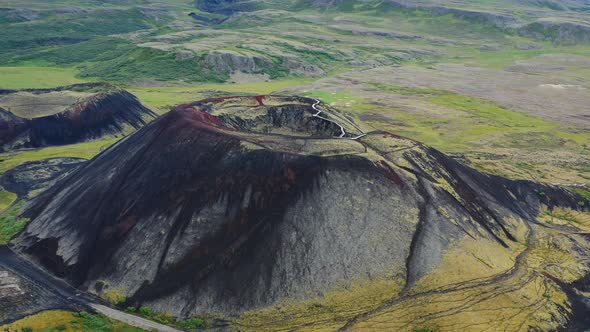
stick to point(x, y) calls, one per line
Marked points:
point(71, 29)
point(583, 192)
point(328, 313)
point(23, 77)
point(85, 150)
point(6, 199)
point(570, 217)
point(10, 223)
point(164, 98)
point(409, 91)
point(489, 110)
point(57, 320)
point(114, 296)
point(145, 63)
point(194, 323)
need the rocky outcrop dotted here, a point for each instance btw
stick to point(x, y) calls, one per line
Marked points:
point(11, 126)
point(558, 32)
point(107, 112)
point(226, 7)
point(200, 212)
point(296, 67)
point(229, 62)
point(38, 175)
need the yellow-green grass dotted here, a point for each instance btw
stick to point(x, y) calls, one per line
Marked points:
point(477, 285)
point(507, 54)
point(59, 320)
point(462, 121)
point(162, 98)
point(336, 99)
point(463, 133)
point(494, 118)
point(584, 193)
point(10, 222)
point(22, 77)
point(328, 313)
point(85, 150)
point(6, 199)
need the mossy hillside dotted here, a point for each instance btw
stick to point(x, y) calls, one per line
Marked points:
point(548, 255)
point(117, 60)
point(73, 28)
point(470, 288)
point(101, 48)
point(146, 63)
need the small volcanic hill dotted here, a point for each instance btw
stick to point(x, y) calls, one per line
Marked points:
point(72, 114)
point(11, 126)
point(231, 205)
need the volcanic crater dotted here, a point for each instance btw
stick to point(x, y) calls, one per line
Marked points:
point(231, 205)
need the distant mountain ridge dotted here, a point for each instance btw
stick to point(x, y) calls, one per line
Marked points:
point(558, 31)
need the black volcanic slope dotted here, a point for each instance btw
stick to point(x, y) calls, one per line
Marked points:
point(232, 204)
point(10, 126)
point(70, 114)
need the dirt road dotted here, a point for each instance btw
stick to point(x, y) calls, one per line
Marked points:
point(67, 294)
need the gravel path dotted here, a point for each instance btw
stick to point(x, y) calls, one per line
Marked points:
point(343, 132)
point(132, 320)
point(69, 296)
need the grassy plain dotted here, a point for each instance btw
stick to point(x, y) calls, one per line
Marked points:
point(23, 77)
point(85, 150)
point(164, 97)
